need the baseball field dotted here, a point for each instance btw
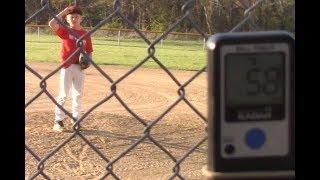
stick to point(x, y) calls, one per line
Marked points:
point(148, 92)
point(174, 54)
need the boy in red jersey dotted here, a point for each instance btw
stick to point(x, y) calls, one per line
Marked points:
point(71, 73)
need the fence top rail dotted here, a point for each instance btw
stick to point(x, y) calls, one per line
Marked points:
point(125, 30)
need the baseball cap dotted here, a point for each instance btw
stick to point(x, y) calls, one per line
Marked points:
point(74, 9)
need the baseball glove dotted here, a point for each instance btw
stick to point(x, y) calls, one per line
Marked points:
point(83, 61)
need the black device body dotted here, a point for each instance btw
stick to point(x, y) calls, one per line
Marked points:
point(225, 69)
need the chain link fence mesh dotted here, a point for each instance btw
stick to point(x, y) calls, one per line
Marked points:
point(109, 172)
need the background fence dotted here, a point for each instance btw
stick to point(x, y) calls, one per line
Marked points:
point(120, 35)
point(144, 135)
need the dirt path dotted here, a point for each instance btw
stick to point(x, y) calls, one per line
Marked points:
point(112, 129)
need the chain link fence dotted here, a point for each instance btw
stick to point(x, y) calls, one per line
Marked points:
point(109, 171)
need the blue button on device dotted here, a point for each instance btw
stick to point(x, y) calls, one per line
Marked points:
point(255, 138)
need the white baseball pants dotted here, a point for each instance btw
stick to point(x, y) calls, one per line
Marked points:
point(73, 77)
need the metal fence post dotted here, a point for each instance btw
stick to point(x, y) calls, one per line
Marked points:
point(119, 37)
point(38, 33)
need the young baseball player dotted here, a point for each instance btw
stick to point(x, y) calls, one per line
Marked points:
point(71, 75)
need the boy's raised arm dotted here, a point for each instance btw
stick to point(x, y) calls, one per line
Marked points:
point(53, 23)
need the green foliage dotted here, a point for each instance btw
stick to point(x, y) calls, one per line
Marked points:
point(158, 21)
point(211, 15)
point(115, 23)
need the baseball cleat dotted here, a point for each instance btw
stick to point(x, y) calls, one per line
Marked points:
point(58, 126)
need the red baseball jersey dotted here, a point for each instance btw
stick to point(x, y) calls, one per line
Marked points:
point(68, 45)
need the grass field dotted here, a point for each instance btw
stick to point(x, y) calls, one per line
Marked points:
point(185, 55)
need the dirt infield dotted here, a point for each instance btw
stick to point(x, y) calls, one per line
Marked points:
point(112, 129)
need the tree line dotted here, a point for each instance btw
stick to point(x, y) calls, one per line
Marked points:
point(157, 15)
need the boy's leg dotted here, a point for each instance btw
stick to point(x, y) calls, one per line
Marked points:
point(65, 84)
point(77, 90)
